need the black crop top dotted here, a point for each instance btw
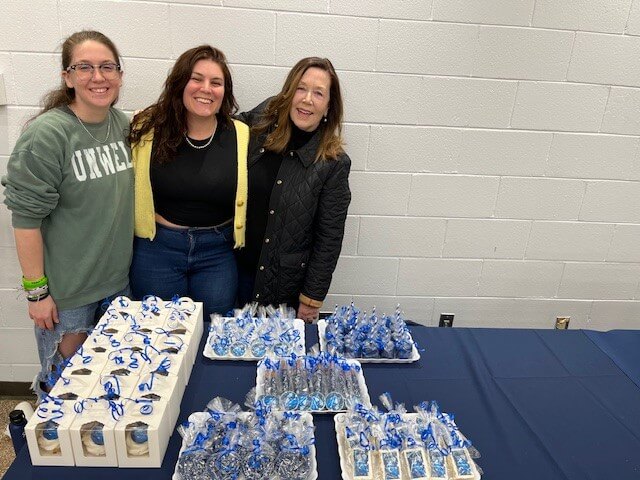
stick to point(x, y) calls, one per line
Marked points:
point(198, 187)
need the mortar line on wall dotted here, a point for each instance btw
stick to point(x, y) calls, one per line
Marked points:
point(275, 38)
point(494, 210)
point(526, 244)
point(368, 151)
point(378, 17)
point(533, 11)
point(378, 29)
point(626, 24)
point(604, 113)
point(425, 75)
point(433, 2)
point(564, 268)
point(444, 240)
point(573, 46)
point(611, 237)
point(548, 156)
point(584, 196)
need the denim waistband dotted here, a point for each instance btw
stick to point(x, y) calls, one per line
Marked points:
point(215, 228)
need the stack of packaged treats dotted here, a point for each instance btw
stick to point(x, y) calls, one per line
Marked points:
point(254, 332)
point(317, 382)
point(396, 445)
point(354, 334)
point(223, 442)
point(117, 398)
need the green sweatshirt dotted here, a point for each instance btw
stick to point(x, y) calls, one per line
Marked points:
point(79, 192)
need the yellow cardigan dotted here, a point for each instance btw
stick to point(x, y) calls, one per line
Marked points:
point(145, 215)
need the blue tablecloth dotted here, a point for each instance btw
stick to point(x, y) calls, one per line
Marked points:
point(538, 404)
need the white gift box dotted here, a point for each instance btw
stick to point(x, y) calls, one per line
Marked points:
point(47, 434)
point(104, 338)
point(72, 387)
point(92, 435)
point(170, 364)
point(129, 360)
point(148, 421)
point(85, 362)
point(166, 388)
point(116, 387)
point(188, 315)
point(177, 345)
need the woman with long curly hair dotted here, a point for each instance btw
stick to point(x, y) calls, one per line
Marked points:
point(189, 159)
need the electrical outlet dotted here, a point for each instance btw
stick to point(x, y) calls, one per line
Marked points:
point(446, 320)
point(562, 323)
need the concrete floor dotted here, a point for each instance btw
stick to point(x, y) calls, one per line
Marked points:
point(6, 447)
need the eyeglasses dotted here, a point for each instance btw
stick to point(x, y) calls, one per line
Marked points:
point(84, 71)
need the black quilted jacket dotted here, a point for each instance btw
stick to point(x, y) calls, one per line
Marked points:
point(304, 233)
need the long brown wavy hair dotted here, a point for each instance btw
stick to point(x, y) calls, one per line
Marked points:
point(64, 95)
point(168, 116)
point(276, 119)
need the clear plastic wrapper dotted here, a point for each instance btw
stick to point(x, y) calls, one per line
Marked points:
point(318, 383)
point(255, 332)
point(368, 338)
point(262, 444)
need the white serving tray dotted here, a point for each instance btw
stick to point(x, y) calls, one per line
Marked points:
point(415, 355)
point(307, 417)
point(364, 391)
point(339, 420)
point(209, 353)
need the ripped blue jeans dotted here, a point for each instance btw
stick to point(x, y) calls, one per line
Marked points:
point(74, 320)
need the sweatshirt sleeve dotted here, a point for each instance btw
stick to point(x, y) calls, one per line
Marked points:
point(31, 187)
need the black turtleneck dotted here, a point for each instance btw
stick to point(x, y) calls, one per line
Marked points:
point(262, 176)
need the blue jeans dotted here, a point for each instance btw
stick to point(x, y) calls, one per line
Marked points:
point(190, 262)
point(246, 282)
point(73, 320)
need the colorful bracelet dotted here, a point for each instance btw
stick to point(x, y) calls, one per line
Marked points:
point(33, 284)
point(37, 298)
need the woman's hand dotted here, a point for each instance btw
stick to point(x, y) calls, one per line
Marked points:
point(44, 313)
point(307, 313)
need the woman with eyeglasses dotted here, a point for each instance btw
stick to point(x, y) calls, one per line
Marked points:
point(69, 187)
point(298, 192)
point(190, 161)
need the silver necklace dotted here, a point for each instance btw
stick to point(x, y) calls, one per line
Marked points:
point(86, 130)
point(200, 147)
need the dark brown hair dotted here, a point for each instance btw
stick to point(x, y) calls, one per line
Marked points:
point(168, 116)
point(64, 95)
point(276, 118)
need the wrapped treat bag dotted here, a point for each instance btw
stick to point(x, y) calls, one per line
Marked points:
point(295, 440)
point(461, 452)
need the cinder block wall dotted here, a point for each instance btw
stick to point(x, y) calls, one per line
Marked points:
point(494, 142)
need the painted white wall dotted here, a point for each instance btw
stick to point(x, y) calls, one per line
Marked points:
point(494, 142)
